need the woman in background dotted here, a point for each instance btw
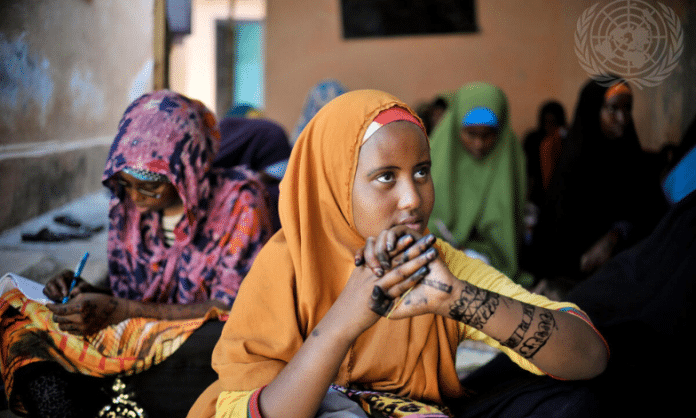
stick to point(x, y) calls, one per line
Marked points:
point(543, 148)
point(480, 180)
point(604, 194)
point(262, 146)
point(319, 95)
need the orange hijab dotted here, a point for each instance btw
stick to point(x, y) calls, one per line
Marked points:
point(300, 272)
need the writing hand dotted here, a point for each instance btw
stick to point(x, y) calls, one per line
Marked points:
point(58, 286)
point(87, 313)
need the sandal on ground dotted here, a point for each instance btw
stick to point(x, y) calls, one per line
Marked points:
point(46, 235)
point(70, 221)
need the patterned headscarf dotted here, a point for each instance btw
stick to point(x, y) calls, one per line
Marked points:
point(225, 223)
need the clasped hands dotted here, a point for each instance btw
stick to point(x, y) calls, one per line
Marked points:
point(405, 265)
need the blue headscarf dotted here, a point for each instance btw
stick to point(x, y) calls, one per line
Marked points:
point(318, 96)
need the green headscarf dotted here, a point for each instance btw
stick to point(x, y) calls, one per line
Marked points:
point(480, 202)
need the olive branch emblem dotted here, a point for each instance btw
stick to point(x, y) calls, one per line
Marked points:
point(584, 50)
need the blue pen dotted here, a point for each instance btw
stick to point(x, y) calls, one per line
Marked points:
point(78, 271)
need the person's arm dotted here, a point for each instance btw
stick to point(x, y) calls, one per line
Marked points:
point(559, 343)
point(88, 313)
point(300, 387)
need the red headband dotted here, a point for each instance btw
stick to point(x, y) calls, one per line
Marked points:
point(392, 114)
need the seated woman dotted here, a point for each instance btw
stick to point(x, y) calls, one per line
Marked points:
point(432, 111)
point(542, 149)
point(479, 176)
point(353, 308)
point(648, 290)
point(604, 194)
point(262, 146)
point(182, 236)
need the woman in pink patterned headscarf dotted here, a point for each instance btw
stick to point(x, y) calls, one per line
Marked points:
point(223, 220)
point(182, 236)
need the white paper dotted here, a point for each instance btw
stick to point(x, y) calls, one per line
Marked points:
point(30, 288)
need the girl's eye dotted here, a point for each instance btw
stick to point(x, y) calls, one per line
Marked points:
point(386, 177)
point(422, 172)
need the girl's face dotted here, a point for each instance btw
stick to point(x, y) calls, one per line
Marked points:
point(479, 140)
point(392, 181)
point(615, 115)
point(149, 195)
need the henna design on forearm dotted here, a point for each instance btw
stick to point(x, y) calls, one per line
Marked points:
point(517, 336)
point(475, 306)
point(534, 343)
point(100, 317)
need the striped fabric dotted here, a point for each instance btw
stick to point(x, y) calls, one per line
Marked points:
point(30, 335)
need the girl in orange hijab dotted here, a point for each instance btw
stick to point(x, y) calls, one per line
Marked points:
point(321, 322)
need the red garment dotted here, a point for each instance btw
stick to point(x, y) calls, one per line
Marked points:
point(549, 152)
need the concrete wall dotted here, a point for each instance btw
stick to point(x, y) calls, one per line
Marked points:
point(525, 47)
point(68, 70)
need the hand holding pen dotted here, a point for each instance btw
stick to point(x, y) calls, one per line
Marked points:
point(77, 273)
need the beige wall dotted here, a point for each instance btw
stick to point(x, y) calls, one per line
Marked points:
point(69, 69)
point(525, 47)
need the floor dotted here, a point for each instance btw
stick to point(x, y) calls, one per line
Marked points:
point(39, 261)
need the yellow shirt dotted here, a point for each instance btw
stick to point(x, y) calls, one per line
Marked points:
point(232, 404)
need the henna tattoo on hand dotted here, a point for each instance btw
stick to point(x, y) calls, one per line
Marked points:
point(475, 306)
point(381, 302)
point(438, 285)
point(534, 343)
point(517, 336)
point(422, 246)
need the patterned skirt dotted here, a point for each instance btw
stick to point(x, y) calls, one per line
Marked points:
point(387, 405)
point(28, 335)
